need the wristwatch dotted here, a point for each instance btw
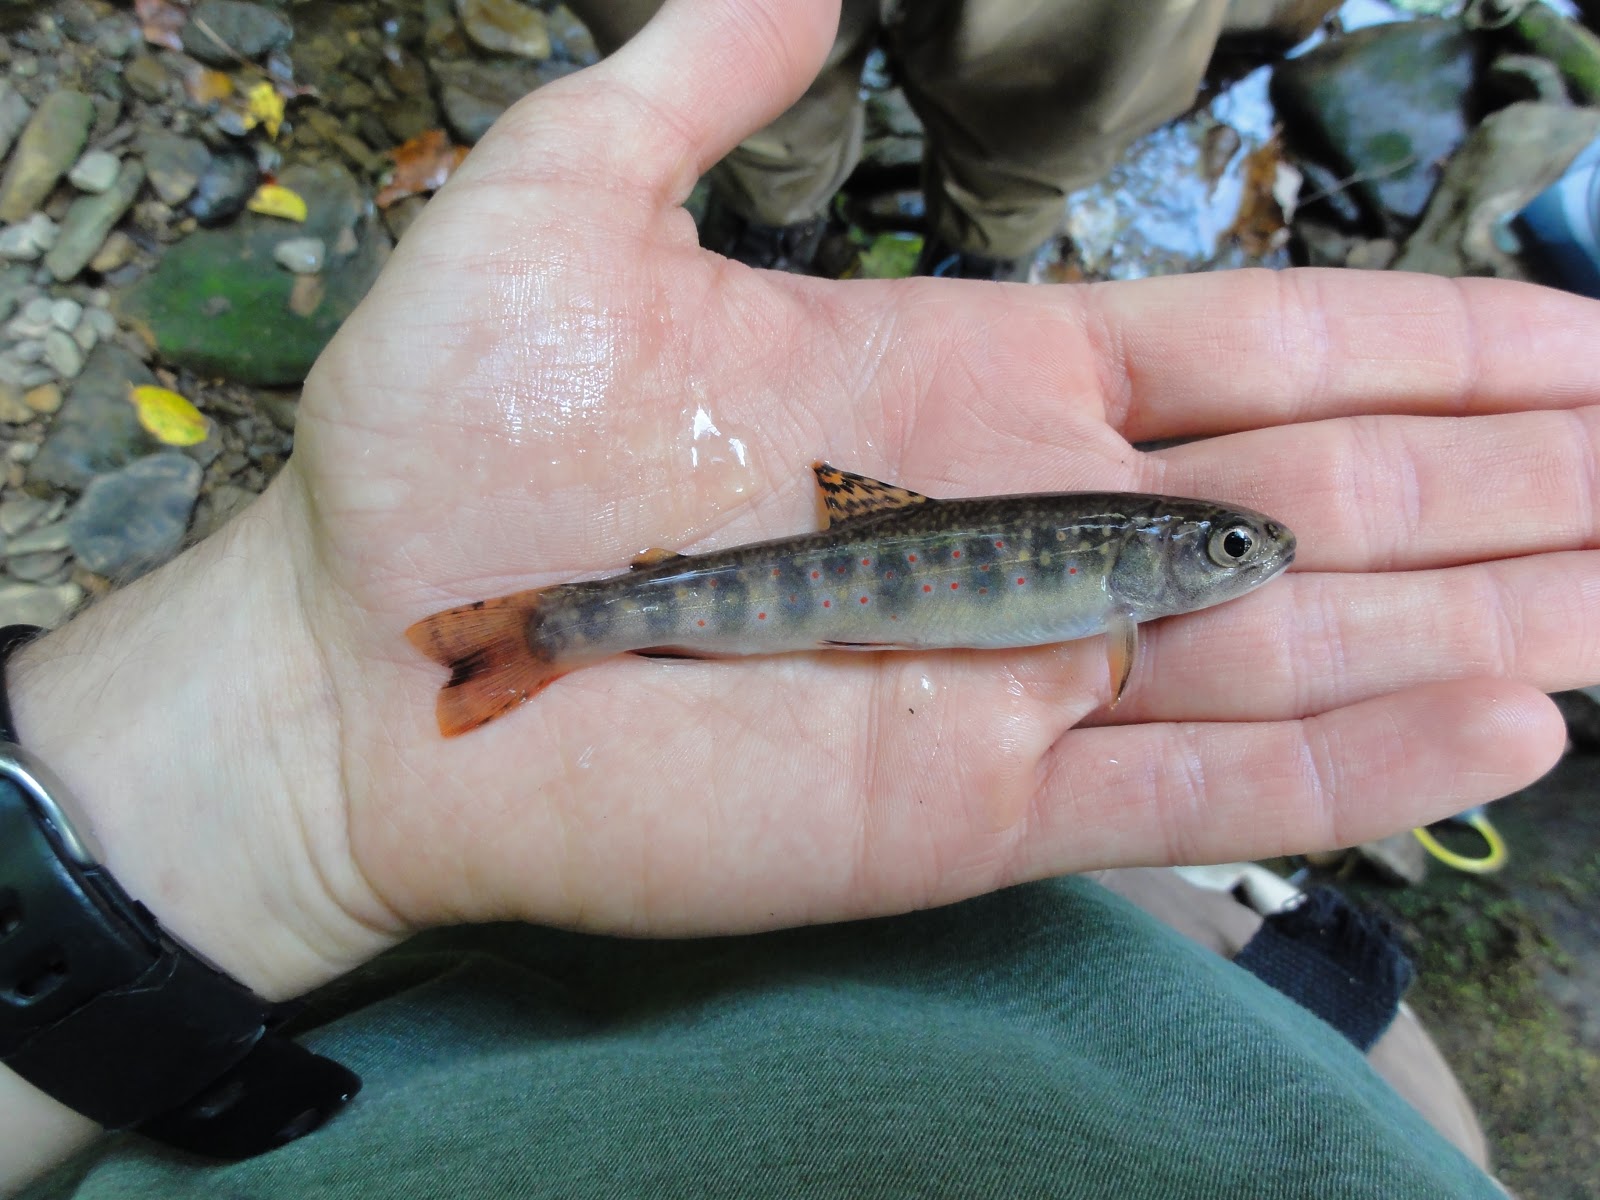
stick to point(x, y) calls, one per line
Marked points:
point(108, 1013)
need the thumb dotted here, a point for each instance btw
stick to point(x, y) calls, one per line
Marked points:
point(700, 77)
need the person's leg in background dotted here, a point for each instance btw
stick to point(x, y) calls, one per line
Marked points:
point(770, 195)
point(1023, 103)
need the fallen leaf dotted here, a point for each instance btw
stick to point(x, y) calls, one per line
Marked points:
point(420, 165)
point(161, 21)
point(266, 107)
point(168, 417)
point(205, 86)
point(275, 200)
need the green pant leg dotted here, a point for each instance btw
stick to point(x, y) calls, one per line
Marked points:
point(1025, 102)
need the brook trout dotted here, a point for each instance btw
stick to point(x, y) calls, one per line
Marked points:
point(890, 570)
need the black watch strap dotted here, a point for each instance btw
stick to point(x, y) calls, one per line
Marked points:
point(104, 1011)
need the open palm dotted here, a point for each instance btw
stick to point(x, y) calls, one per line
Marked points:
point(551, 376)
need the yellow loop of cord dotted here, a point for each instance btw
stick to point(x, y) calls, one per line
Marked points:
point(1489, 863)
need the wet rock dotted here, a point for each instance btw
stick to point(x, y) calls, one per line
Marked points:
point(115, 38)
point(506, 27)
point(226, 184)
point(303, 256)
point(94, 172)
point(210, 306)
point(63, 354)
point(89, 221)
point(117, 252)
point(1383, 108)
point(218, 505)
point(14, 112)
point(42, 539)
point(147, 78)
point(97, 430)
point(173, 163)
point(1513, 156)
point(28, 240)
point(43, 567)
point(44, 399)
point(20, 513)
point(220, 32)
point(570, 39)
point(474, 94)
point(13, 411)
point(48, 146)
point(16, 287)
point(133, 520)
point(31, 604)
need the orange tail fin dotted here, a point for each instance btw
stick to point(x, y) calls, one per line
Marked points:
point(493, 666)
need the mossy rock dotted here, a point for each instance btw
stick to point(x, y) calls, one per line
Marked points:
point(220, 305)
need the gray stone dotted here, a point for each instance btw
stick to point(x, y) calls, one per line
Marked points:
point(63, 354)
point(147, 77)
point(506, 27)
point(30, 351)
point(31, 604)
point(65, 314)
point(34, 377)
point(42, 567)
point(1383, 108)
point(97, 429)
point(570, 38)
point(116, 39)
point(14, 113)
point(21, 513)
point(1513, 156)
point(95, 171)
point(220, 504)
point(28, 240)
point(133, 520)
point(173, 163)
point(303, 256)
point(16, 284)
point(35, 541)
point(89, 220)
point(85, 336)
point(474, 94)
point(37, 312)
point(48, 146)
point(220, 32)
point(225, 186)
point(13, 410)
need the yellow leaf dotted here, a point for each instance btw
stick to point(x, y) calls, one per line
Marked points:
point(168, 417)
point(275, 200)
point(266, 107)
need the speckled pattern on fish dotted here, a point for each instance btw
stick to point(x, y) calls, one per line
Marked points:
point(893, 570)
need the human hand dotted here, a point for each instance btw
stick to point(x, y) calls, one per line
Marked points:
point(551, 375)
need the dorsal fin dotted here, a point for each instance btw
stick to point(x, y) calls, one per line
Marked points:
point(847, 496)
point(652, 557)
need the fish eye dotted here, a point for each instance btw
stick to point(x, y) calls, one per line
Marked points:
point(1232, 546)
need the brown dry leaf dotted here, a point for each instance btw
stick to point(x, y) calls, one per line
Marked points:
point(420, 165)
point(1259, 227)
point(160, 21)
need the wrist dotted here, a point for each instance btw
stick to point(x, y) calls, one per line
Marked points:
point(191, 719)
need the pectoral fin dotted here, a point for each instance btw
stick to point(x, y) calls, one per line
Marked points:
point(1122, 647)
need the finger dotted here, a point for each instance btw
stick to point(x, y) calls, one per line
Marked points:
point(1382, 493)
point(705, 74)
point(1200, 793)
point(1309, 643)
point(1213, 353)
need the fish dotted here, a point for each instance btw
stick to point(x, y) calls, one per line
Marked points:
point(890, 569)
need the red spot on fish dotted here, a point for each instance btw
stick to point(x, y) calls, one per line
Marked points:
point(894, 616)
point(1072, 570)
point(927, 587)
point(792, 597)
point(985, 566)
point(954, 586)
point(999, 545)
point(702, 624)
point(816, 574)
point(842, 570)
point(863, 599)
point(827, 604)
point(911, 558)
point(955, 554)
point(761, 616)
point(866, 562)
point(888, 574)
point(1021, 581)
point(711, 582)
point(774, 572)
